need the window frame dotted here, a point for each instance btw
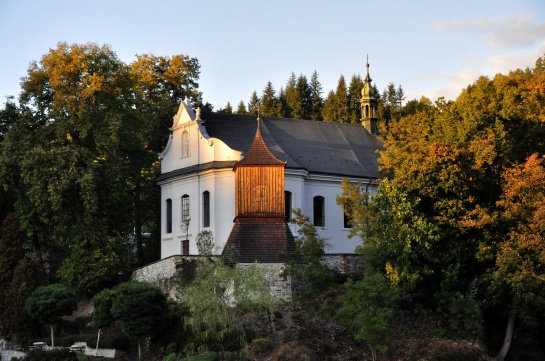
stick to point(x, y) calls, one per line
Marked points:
point(206, 209)
point(318, 211)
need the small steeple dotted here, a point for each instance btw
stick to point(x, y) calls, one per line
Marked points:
point(369, 104)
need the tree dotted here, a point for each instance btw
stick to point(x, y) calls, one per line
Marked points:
point(228, 109)
point(516, 245)
point(48, 304)
point(291, 98)
point(354, 96)
point(219, 298)
point(336, 105)
point(368, 309)
point(28, 275)
point(102, 314)
point(253, 104)
point(160, 84)
point(304, 265)
point(19, 277)
point(316, 97)
point(141, 310)
point(398, 240)
point(269, 104)
point(241, 109)
point(304, 93)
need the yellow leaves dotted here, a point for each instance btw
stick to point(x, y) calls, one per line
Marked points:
point(392, 274)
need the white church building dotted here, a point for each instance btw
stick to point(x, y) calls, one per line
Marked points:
point(197, 178)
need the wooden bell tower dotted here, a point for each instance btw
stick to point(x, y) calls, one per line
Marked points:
point(260, 232)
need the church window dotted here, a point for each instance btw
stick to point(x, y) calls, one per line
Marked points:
point(367, 111)
point(347, 223)
point(206, 209)
point(185, 144)
point(185, 209)
point(287, 205)
point(169, 216)
point(319, 211)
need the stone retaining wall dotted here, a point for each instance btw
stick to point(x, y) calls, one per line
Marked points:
point(169, 274)
point(7, 355)
point(173, 273)
point(349, 264)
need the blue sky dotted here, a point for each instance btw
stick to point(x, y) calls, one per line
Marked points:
point(432, 48)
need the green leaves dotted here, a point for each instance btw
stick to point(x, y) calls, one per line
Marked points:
point(48, 304)
point(140, 307)
point(222, 297)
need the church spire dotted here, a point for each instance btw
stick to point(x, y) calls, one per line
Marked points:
point(369, 103)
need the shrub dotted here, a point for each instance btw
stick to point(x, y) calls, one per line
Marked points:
point(293, 351)
point(259, 345)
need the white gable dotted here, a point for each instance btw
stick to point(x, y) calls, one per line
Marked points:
point(189, 143)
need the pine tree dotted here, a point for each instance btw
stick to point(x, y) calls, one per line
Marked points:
point(253, 104)
point(354, 95)
point(241, 109)
point(305, 100)
point(228, 109)
point(292, 100)
point(328, 109)
point(270, 105)
point(336, 104)
point(317, 102)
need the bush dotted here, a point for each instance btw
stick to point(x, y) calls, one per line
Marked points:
point(259, 345)
point(293, 351)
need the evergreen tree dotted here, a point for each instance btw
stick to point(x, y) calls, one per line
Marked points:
point(304, 92)
point(28, 275)
point(336, 105)
point(354, 96)
point(292, 100)
point(270, 105)
point(328, 109)
point(317, 102)
point(228, 109)
point(253, 104)
point(241, 109)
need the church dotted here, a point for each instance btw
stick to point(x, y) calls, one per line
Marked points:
point(222, 172)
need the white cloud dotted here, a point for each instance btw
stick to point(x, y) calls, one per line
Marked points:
point(451, 84)
point(504, 32)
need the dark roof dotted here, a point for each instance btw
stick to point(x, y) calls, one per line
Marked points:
point(318, 147)
point(196, 168)
point(259, 153)
point(258, 240)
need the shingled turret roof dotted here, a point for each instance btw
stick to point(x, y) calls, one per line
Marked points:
point(259, 153)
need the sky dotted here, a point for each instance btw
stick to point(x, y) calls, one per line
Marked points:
point(430, 48)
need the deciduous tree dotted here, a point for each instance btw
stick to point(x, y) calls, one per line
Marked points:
point(141, 310)
point(48, 304)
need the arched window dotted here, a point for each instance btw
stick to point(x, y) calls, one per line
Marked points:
point(185, 209)
point(347, 220)
point(287, 205)
point(206, 209)
point(367, 111)
point(318, 204)
point(185, 144)
point(168, 216)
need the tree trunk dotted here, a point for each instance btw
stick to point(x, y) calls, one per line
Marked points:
point(137, 220)
point(98, 340)
point(508, 337)
point(139, 349)
point(52, 336)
